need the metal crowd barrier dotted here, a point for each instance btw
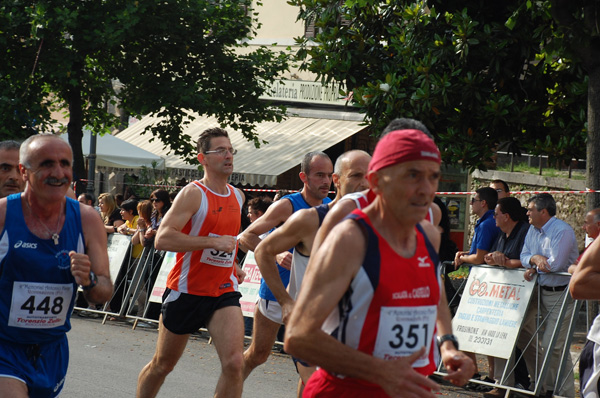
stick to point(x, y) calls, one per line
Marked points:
point(135, 279)
point(538, 379)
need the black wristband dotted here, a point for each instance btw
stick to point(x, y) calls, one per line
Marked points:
point(447, 337)
point(93, 281)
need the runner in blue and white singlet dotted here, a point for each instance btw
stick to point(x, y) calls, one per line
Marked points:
point(43, 258)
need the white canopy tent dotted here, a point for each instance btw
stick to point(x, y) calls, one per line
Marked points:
point(114, 152)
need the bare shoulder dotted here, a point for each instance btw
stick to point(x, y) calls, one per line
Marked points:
point(89, 215)
point(342, 208)
point(189, 197)
point(337, 213)
point(93, 230)
point(241, 194)
point(347, 236)
point(280, 210)
point(346, 244)
point(304, 218)
point(437, 214)
point(433, 234)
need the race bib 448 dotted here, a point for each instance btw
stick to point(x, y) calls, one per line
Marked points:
point(39, 305)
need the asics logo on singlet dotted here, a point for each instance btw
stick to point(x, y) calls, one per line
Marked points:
point(25, 245)
point(423, 261)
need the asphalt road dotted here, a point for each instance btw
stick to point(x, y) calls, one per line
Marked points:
point(106, 360)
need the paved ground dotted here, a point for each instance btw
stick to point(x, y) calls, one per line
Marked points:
point(458, 392)
point(106, 359)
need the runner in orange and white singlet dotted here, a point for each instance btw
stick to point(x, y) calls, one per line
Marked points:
point(202, 226)
point(212, 273)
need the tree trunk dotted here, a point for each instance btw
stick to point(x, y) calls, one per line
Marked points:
point(75, 131)
point(593, 137)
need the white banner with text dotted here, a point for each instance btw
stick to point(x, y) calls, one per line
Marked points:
point(249, 288)
point(491, 310)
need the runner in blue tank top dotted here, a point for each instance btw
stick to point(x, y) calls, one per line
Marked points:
point(299, 231)
point(316, 173)
point(48, 246)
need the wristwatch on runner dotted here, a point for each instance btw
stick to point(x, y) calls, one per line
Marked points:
point(447, 337)
point(93, 281)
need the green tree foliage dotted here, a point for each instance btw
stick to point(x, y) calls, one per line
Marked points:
point(172, 56)
point(576, 35)
point(476, 73)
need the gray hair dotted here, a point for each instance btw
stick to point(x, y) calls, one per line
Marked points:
point(24, 150)
point(543, 201)
point(406, 124)
point(595, 213)
point(9, 145)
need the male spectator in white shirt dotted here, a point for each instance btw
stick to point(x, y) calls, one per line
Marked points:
point(550, 247)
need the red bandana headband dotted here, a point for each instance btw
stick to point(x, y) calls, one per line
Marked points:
point(401, 146)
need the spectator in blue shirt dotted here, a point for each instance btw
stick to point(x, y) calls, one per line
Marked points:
point(483, 205)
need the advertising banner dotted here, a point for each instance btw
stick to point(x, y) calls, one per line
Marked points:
point(118, 246)
point(161, 280)
point(491, 310)
point(249, 288)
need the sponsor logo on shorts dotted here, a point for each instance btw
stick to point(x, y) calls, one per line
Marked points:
point(25, 245)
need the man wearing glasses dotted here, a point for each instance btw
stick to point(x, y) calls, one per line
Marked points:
point(501, 187)
point(486, 231)
point(202, 287)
